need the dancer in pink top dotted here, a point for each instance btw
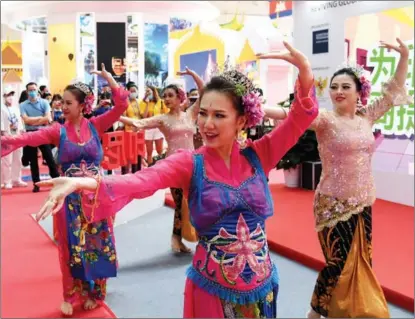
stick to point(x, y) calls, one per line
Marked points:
point(232, 274)
point(86, 245)
point(178, 128)
point(347, 287)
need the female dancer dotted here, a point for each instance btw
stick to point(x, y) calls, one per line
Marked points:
point(347, 286)
point(86, 247)
point(178, 127)
point(232, 275)
point(150, 106)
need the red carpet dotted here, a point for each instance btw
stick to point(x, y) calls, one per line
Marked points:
point(30, 276)
point(291, 234)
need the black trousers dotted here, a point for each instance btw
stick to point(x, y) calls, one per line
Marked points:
point(134, 167)
point(30, 154)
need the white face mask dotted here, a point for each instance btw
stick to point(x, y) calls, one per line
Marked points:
point(133, 95)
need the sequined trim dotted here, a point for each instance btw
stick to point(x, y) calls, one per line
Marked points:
point(329, 210)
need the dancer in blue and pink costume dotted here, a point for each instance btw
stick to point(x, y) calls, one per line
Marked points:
point(232, 275)
point(86, 245)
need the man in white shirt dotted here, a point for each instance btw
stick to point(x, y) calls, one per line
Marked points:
point(11, 124)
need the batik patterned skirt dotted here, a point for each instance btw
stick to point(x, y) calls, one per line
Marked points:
point(347, 286)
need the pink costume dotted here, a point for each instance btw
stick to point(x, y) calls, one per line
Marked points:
point(86, 245)
point(177, 131)
point(179, 134)
point(346, 152)
point(204, 176)
point(343, 214)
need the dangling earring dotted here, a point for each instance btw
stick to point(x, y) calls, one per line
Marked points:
point(359, 103)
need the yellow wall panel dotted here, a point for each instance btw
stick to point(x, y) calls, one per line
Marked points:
point(61, 43)
point(198, 42)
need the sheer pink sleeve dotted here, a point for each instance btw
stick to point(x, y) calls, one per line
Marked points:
point(104, 121)
point(392, 95)
point(47, 135)
point(116, 191)
point(272, 147)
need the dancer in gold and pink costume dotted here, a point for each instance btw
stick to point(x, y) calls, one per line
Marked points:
point(347, 286)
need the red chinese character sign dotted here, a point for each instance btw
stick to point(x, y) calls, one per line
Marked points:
point(121, 148)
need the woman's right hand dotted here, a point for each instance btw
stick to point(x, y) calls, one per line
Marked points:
point(61, 187)
point(187, 71)
point(103, 73)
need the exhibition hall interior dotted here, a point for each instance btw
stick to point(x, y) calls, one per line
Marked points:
point(207, 159)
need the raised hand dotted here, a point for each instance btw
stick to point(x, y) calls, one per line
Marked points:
point(293, 56)
point(61, 187)
point(103, 73)
point(187, 71)
point(402, 48)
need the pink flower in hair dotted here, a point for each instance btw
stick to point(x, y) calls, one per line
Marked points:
point(365, 90)
point(89, 102)
point(182, 95)
point(253, 109)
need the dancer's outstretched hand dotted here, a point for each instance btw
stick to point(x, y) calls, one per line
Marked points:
point(61, 187)
point(103, 73)
point(402, 48)
point(187, 71)
point(293, 56)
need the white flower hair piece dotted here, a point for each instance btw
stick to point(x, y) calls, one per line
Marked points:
point(357, 69)
point(235, 76)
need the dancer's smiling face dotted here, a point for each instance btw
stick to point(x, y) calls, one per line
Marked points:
point(220, 118)
point(73, 105)
point(345, 91)
point(171, 98)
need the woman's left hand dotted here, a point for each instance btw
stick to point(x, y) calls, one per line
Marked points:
point(293, 56)
point(402, 49)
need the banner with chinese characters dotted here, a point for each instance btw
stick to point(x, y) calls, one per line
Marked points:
point(395, 152)
point(398, 121)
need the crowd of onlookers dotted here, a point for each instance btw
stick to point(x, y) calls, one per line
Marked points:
point(37, 108)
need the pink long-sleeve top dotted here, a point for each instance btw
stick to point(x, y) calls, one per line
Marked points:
point(51, 134)
point(346, 184)
point(114, 192)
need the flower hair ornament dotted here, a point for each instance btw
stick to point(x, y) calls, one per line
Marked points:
point(89, 96)
point(244, 88)
point(360, 73)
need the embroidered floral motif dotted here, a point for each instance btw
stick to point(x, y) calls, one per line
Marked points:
point(82, 171)
point(245, 248)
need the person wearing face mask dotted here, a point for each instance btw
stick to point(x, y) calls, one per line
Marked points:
point(132, 112)
point(36, 115)
point(150, 106)
point(56, 105)
point(11, 168)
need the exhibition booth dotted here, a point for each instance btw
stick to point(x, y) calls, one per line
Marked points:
point(54, 42)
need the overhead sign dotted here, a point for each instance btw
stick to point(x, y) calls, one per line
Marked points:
point(330, 5)
point(280, 9)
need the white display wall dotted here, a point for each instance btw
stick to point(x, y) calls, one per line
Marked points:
point(394, 158)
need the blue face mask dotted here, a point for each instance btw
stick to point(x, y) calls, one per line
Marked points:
point(32, 94)
point(150, 97)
